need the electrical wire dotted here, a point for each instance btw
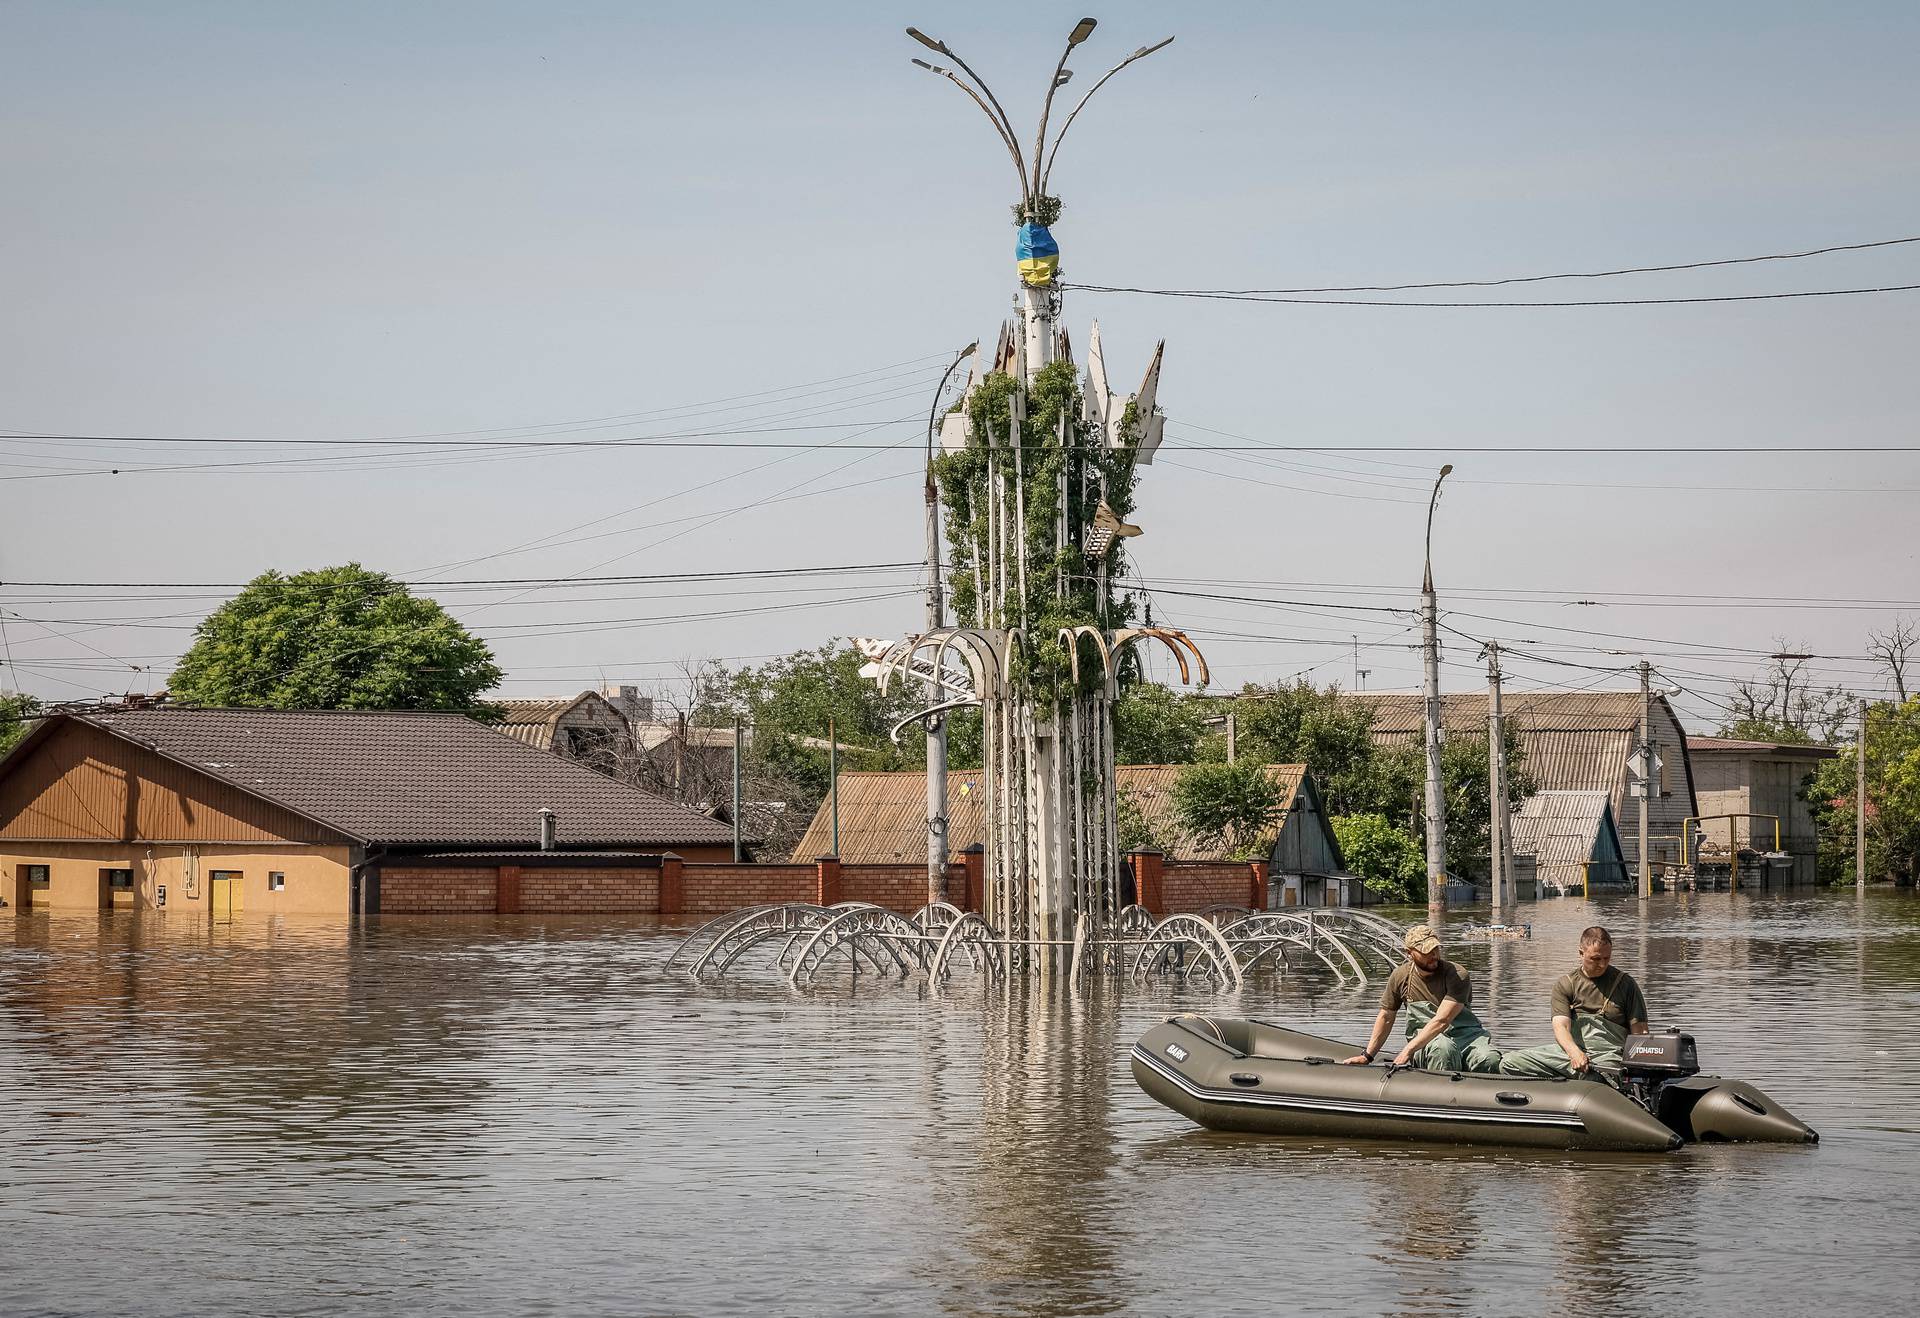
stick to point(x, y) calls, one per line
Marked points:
point(1538, 279)
point(1582, 302)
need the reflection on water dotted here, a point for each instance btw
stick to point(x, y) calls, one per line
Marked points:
point(525, 1115)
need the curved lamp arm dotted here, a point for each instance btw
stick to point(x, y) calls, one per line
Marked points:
point(1054, 150)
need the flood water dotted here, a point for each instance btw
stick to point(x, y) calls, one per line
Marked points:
point(527, 1116)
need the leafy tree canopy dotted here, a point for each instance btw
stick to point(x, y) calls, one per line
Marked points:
point(17, 711)
point(1893, 799)
point(1152, 724)
point(337, 638)
point(1231, 804)
point(1390, 859)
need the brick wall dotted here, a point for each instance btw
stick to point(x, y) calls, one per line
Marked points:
point(706, 889)
point(900, 888)
point(1193, 885)
point(589, 891)
point(437, 890)
point(712, 889)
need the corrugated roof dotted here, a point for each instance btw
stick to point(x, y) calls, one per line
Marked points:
point(1405, 712)
point(1735, 746)
point(1573, 740)
point(1561, 829)
point(395, 778)
point(883, 816)
point(536, 722)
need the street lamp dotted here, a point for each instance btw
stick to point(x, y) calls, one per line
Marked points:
point(1436, 800)
point(1426, 583)
point(1046, 175)
point(936, 722)
point(1032, 183)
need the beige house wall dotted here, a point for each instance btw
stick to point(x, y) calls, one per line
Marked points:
point(318, 879)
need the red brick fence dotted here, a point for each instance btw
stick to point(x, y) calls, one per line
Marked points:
point(667, 885)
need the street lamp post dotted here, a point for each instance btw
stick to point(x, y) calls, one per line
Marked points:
point(1436, 792)
point(936, 619)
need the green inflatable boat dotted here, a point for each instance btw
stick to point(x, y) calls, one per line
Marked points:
point(1245, 1075)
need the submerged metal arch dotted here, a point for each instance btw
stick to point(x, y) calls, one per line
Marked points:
point(972, 934)
point(1185, 930)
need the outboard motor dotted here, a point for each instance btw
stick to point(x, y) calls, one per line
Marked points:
point(1662, 1073)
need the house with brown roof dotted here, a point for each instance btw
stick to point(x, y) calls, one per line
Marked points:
point(883, 820)
point(1747, 779)
point(299, 812)
point(1577, 741)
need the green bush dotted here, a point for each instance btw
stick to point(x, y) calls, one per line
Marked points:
point(1388, 858)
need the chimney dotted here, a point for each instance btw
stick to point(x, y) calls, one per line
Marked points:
point(546, 829)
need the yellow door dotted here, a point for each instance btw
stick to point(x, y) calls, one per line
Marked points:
point(224, 894)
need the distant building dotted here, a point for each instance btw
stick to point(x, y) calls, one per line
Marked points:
point(1760, 777)
point(1574, 841)
point(206, 811)
point(587, 727)
point(883, 819)
point(1574, 741)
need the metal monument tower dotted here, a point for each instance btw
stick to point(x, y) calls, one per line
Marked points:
point(1036, 473)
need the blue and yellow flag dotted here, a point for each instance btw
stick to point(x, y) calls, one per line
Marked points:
point(1038, 253)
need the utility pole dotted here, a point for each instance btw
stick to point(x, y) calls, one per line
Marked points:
point(1646, 774)
point(736, 790)
point(1436, 790)
point(833, 777)
point(1233, 735)
point(1860, 805)
point(936, 619)
point(1497, 785)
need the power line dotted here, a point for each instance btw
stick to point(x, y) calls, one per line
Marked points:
point(623, 579)
point(1584, 302)
point(1532, 279)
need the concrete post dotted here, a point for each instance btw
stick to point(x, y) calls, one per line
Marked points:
point(1860, 805)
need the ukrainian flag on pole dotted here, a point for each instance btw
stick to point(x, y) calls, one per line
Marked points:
point(1038, 253)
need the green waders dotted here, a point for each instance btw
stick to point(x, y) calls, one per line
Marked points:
point(1597, 1036)
point(1465, 1046)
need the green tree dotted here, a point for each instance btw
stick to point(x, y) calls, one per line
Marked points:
point(1298, 723)
point(337, 638)
point(1893, 799)
point(1390, 859)
point(17, 712)
point(1228, 804)
point(1153, 724)
point(797, 706)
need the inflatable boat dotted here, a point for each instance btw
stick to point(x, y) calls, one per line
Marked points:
point(1244, 1075)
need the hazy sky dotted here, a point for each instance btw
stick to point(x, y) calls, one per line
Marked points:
point(257, 221)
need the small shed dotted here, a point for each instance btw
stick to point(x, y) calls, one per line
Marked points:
point(1573, 839)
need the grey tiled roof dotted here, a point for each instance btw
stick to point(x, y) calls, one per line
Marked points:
point(412, 779)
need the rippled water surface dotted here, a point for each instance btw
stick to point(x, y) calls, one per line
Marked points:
point(525, 1116)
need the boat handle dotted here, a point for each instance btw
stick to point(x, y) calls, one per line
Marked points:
point(1512, 1099)
point(1243, 1078)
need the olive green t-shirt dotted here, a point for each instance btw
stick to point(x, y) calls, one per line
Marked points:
point(1614, 996)
point(1407, 984)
